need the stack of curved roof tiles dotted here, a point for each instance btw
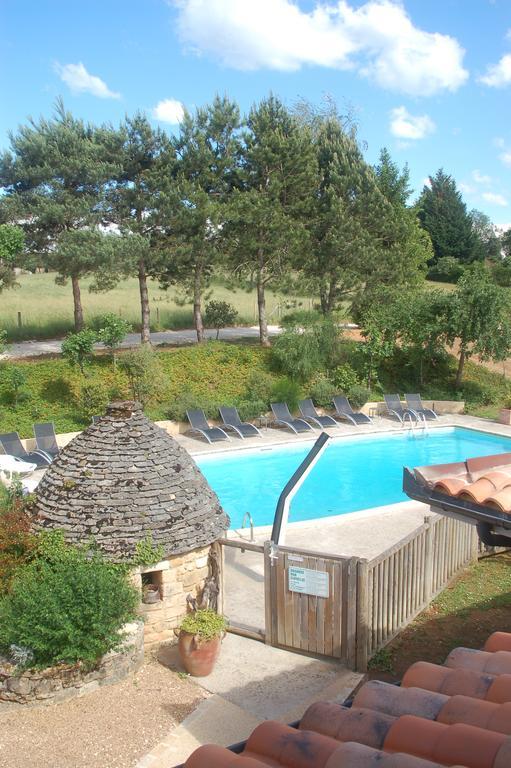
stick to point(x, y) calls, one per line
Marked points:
point(458, 714)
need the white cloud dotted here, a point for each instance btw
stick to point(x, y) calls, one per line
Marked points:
point(480, 178)
point(169, 111)
point(80, 81)
point(494, 199)
point(378, 39)
point(407, 126)
point(506, 157)
point(426, 182)
point(467, 189)
point(498, 75)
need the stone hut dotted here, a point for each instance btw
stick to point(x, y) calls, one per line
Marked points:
point(124, 479)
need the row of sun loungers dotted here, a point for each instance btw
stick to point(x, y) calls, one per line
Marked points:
point(309, 417)
point(46, 445)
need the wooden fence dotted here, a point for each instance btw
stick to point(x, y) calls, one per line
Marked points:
point(395, 586)
point(368, 601)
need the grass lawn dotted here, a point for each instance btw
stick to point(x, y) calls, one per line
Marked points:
point(47, 309)
point(477, 603)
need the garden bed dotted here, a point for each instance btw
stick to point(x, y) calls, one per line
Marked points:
point(64, 682)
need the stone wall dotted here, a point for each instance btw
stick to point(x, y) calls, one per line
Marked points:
point(61, 683)
point(177, 577)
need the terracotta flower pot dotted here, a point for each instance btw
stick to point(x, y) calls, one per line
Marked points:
point(198, 656)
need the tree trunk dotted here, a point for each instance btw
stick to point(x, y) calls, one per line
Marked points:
point(461, 365)
point(197, 297)
point(261, 306)
point(77, 302)
point(145, 331)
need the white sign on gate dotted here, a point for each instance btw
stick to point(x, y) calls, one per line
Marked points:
point(308, 582)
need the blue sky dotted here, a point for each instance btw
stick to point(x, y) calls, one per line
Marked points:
point(429, 79)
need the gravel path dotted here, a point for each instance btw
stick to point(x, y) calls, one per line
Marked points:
point(112, 727)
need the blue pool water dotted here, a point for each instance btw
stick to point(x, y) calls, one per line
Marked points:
point(353, 473)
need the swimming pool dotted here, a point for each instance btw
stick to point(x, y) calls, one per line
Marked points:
point(354, 473)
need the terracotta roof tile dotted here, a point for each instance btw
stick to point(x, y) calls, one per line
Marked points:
point(456, 715)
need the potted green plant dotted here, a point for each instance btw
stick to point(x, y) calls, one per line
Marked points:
point(200, 636)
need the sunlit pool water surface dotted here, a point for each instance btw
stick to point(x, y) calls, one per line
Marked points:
point(353, 473)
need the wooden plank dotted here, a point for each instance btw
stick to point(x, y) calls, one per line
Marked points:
point(385, 620)
point(281, 598)
point(235, 544)
point(304, 614)
point(338, 646)
point(370, 609)
point(329, 611)
point(351, 626)
point(321, 610)
point(288, 607)
point(314, 553)
point(362, 616)
point(268, 629)
point(397, 546)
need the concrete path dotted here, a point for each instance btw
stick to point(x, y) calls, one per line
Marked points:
point(173, 338)
point(251, 682)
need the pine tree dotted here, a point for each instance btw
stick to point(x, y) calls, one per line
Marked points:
point(266, 222)
point(443, 214)
point(53, 178)
point(207, 151)
point(136, 201)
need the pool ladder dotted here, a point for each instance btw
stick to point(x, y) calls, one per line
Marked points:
point(248, 517)
point(420, 421)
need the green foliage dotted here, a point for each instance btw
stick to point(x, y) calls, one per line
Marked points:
point(344, 378)
point(16, 539)
point(15, 379)
point(3, 341)
point(220, 314)
point(307, 346)
point(92, 398)
point(78, 348)
point(288, 391)
point(359, 396)
point(67, 605)
point(322, 390)
point(204, 624)
point(259, 386)
point(446, 269)
point(146, 553)
point(144, 373)
point(12, 241)
point(187, 401)
point(443, 214)
point(112, 331)
point(249, 410)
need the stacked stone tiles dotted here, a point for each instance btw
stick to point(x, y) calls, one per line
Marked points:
point(124, 478)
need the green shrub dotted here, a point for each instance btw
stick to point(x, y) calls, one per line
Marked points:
point(251, 409)
point(286, 391)
point(144, 373)
point(16, 538)
point(307, 348)
point(358, 396)
point(78, 348)
point(146, 553)
point(205, 624)
point(92, 398)
point(16, 379)
point(186, 402)
point(345, 378)
point(259, 387)
point(446, 270)
point(220, 314)
point(322, 391)
point(67, 605)
point(112, 331)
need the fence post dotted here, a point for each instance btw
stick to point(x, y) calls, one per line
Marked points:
point(428, 558)
point(474, 549)
point(19, 320)
point(362, 616)
point(268, 594)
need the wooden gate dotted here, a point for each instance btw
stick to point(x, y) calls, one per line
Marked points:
point(311, 602)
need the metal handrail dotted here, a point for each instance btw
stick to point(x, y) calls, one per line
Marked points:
point(248, 516)
point(292, 486)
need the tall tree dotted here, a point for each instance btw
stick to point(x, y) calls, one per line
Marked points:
point(478, 318)
point(487, 243)
point(392, 181)
point(135, 202)
point(265, 226)
point(53, 178)
point(443, 214)
point(207, 156)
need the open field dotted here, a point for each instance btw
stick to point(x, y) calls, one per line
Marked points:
point(47, 309)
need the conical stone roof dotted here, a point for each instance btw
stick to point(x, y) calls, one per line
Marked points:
point(124, 478)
